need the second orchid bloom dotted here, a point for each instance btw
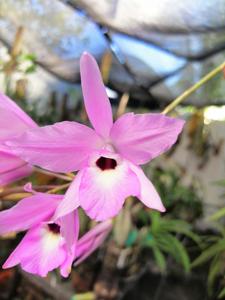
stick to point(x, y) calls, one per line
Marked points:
point(48, 245)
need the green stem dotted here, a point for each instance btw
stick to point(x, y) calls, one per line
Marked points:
point(192, 89)
point(58, 188)
point(53, 174)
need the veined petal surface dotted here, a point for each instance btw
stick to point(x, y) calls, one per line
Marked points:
point(71, 199)
point(13, 120)
point(102, 193)
point(95, 98)
point(90, 241)
point(62, 147)
point(147, 193)
point(140, 138)
point(28, 212)
point(14, 174)
point(39, 252)
point(70, 226)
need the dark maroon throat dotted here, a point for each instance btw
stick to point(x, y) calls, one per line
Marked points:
point(105, 163)
point(54, 228)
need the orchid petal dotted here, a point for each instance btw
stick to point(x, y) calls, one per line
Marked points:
point(12, 168)
point(62, 147)
point(69, 225)
point(9, 162)
point(38, 253)
point(28, 212)
point(95, 98)
point(102, 193)
point(13, 120)
point(87, 249)
point(18, 173)
point(65, 267)
point(71, 200)
point(147, 193)
point(140, 138)
point(105, 226)
point(92, 240)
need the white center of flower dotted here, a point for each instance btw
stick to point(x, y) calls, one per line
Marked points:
point(51, 237)
point(107, 172)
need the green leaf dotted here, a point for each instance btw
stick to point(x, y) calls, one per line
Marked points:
point(214, 271)
point(218, 215)
point(30, 69)
point(220, 228)
point(28, 56)
point(155, 220)
point(176, 249)
point(181, 227)
point(209, 253)
point(149, 240)
point(220, 182)
point(159, 258)
point(222, 293)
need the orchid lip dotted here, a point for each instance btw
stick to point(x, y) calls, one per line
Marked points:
point(105, 163)
point(54, 228)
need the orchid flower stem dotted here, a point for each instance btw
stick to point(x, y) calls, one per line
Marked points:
point(122, 105)
point(53, 174)
point(71, 175)
point(15, 196)
point(20, 189)
point(58, 188)
point(19, 195)
point(193, 88)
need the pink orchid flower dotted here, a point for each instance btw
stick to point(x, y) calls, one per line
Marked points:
point(13, 121)
point(108, 157)
point(45, 245)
